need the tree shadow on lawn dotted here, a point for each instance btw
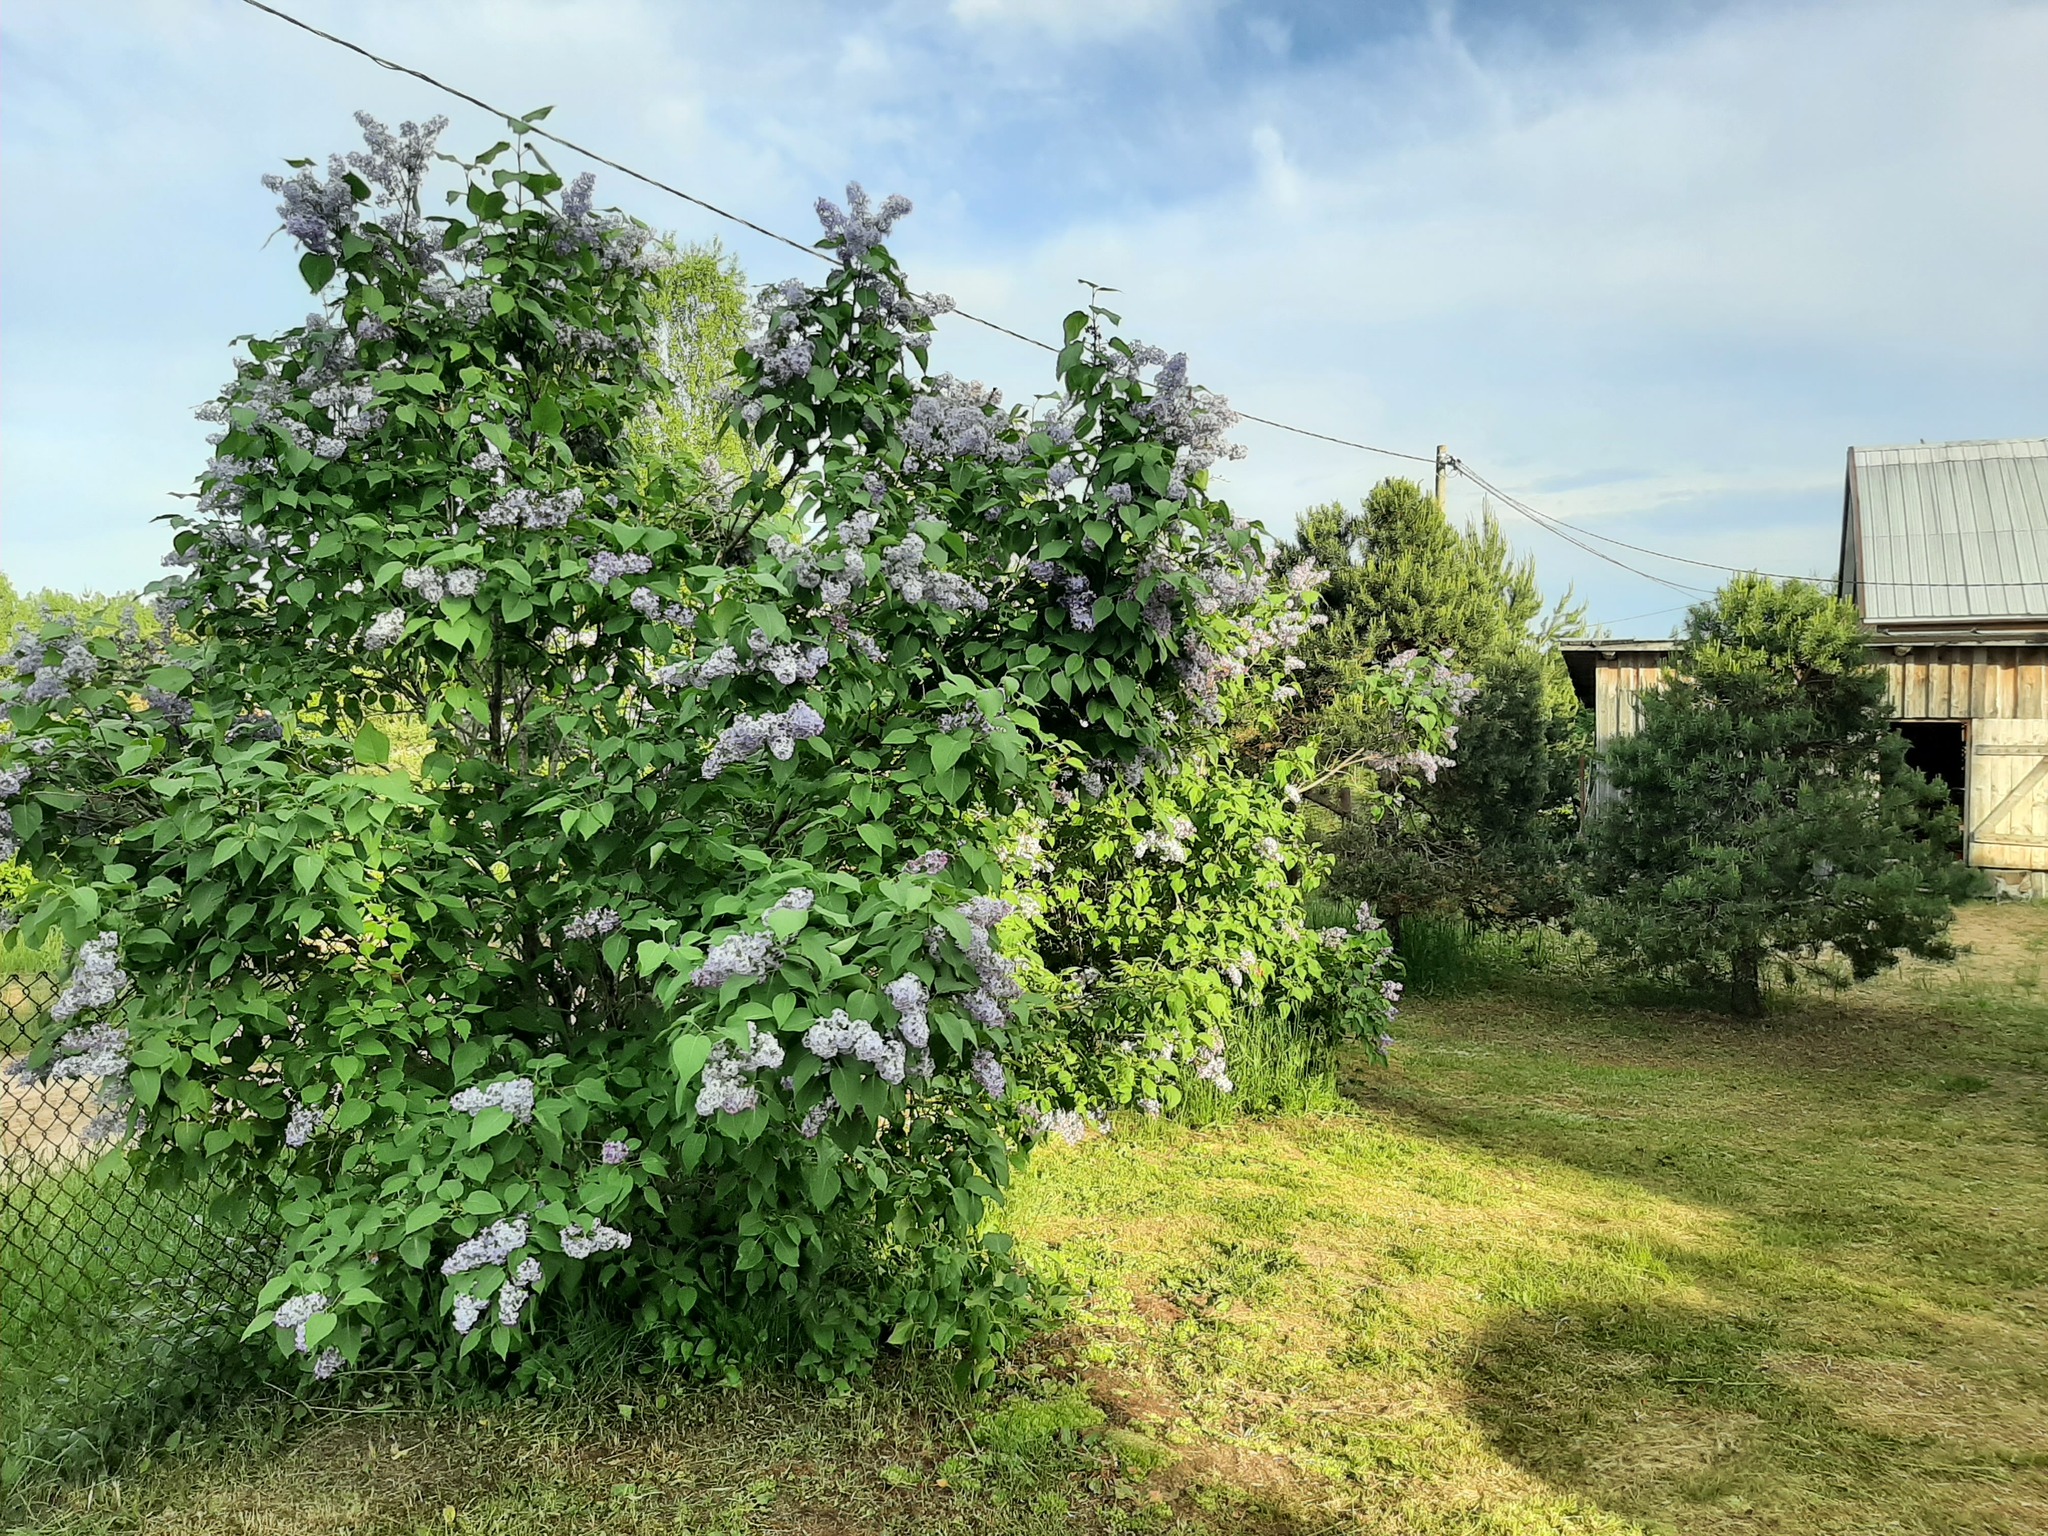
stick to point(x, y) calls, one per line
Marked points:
point(1905, 1137)
point(1688, 1418)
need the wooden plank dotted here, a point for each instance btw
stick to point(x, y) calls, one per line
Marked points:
point(2007, 796)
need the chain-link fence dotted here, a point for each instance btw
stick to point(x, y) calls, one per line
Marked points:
point(116, 1299)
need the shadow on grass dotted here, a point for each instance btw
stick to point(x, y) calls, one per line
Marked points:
point(1661, 1410)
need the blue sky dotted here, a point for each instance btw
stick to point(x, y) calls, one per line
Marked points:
point(1652, 267)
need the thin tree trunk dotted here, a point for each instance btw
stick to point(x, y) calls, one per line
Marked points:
point(1745, 987)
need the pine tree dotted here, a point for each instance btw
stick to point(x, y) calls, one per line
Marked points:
point(1403, 577)
point(1766, 817)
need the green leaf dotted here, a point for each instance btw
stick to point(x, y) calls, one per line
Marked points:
point(316, 269)
point(546, 417)
point(372, 745)
point(687, 1054)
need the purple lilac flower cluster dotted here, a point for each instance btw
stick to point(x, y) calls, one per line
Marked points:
point(12, 782)
point(860, 226)
point(96, 978)
point(988, 1003)
point(434, 585)
point(748, 734)
point(607, 567)
point(305, 1123)
point(594, 924)
point(51, 681)
point(737, 957)
point(650, 605)
point(524, 507)
point(621, 243)
point(957, 419)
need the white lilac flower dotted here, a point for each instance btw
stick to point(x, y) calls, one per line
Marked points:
point(815, 1117)
point(468, 1309)
point(739, 956)
point(51, 681)
point(1365, 919)
point(515, 1097)
point(606, 567)
point(614, 1153)
point(1334, 938)
point(911, 999)
point(96, 1052)
point(328, 1365)
point(512, 1298)
point(1211, 1068)
point(801, 899)
point(726, 1087)
point(578, 1244)
point(385, 631)
point(933, 862)
point(304, 1124)
point(1066, 1124)
point(969, 719)
point(494, 1245)
point(296, 1313)
point(96, 978)
point(594, 924)
point(988, 1072)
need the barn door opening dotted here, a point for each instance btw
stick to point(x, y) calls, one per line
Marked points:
point(1936, 748)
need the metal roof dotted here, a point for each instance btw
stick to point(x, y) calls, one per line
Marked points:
point(1940, 532)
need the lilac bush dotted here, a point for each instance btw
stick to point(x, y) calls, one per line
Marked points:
point(676, 981)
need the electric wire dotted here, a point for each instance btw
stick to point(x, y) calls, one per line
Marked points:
point(1569, 532)
point(725, 213)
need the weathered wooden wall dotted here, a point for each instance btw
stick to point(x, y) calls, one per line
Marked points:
point(2000, 693)
point(1957, 682)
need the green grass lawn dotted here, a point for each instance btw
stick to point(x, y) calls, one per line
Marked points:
point(1574, 1264)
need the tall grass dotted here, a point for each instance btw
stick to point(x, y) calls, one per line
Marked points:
point(119, 1310)
point(1278, 1066)
point(1448, 956)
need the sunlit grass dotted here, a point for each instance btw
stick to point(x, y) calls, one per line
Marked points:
point(1573, 1264)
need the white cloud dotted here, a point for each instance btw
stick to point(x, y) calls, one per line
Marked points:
point(1659, 278)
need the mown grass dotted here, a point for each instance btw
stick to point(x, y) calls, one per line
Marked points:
point(1575, 1263)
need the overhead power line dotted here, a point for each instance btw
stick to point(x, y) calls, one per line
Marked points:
point(725, 213)
point(1572, 533)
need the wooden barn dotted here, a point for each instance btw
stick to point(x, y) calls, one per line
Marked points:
point(1945, 554)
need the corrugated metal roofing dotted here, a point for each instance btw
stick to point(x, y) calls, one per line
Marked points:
point(1948, 531)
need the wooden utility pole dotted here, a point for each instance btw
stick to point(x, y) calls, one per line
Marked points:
point(1443, 469)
